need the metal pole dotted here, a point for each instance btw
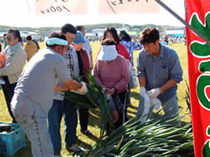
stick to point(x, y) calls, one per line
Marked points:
point(183, 21)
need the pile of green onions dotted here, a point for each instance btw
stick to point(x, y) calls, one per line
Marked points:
point(156, 137)
point(94, 98)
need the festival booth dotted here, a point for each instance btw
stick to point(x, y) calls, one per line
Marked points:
point(197, 24)
point(198, 47)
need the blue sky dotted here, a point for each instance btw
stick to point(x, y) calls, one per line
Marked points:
point(20, 13)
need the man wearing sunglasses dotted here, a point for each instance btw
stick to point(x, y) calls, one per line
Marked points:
point(15, 61)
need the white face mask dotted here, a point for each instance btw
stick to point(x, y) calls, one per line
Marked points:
point(107, 53)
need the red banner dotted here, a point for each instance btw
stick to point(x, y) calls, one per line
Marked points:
point(198, 16)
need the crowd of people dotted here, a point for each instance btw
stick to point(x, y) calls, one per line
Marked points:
point(33, 81)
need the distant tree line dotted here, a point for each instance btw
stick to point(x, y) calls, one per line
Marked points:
point(43, 31)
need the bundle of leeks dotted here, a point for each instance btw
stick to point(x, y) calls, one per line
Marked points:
point(94, 98)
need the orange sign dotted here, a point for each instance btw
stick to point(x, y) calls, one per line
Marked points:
point(128, 6)
point(60, 7)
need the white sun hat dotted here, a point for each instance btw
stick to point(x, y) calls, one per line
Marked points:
point(107, 53)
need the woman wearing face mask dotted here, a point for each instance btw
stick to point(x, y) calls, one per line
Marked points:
point(111, 73)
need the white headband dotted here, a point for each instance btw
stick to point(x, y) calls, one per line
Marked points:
point(57, 41)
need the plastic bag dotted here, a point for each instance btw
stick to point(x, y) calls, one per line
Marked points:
point(118, 103)
point(133, 83)
point(2, 60)
point(113, 110)
point(146, 108)
point(2, 81)
point(156, 103)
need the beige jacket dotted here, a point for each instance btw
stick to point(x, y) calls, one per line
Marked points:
point(30, 49)
point(14, 63)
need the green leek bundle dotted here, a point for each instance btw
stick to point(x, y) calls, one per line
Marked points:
point(156, 137)
point(94, 98)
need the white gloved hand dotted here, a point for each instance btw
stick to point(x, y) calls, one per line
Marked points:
point(153, 93)
point(142, 91)
point(83, 90)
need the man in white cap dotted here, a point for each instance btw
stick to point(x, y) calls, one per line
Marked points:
point(35, 89)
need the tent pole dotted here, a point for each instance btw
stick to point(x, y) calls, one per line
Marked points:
point(183, 21)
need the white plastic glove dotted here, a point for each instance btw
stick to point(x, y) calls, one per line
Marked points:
point(146, 108)
point(142, 91)
point(153, 93)
point(83, 90)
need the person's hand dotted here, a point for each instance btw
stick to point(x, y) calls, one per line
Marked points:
point(83, 90)
point(111, 91)
point(142, 91)
point(105, 88)
point(153, 93)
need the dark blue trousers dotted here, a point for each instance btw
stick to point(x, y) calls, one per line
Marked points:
point(8, 90)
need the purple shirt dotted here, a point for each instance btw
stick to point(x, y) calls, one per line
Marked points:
point(113, 74)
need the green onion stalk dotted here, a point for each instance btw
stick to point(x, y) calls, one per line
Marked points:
point(155, 137)
point(94, 98)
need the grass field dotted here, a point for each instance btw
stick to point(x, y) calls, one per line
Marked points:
point(94, 121)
